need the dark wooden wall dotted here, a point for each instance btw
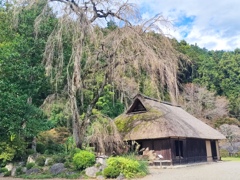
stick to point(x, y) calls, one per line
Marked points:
point(194, 150)
point(160, 146)
point(191, 149)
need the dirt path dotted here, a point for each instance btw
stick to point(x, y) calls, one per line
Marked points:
point(213, 171)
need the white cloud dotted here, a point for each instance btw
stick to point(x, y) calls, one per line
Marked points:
point(215, 24)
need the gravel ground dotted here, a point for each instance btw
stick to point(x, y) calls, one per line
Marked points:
point(212, 171)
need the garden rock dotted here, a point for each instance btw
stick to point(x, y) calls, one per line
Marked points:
point(102, 160)
point(33, 171)
point(13, 172)
point(91, 171)
point(102, 167)
point(21, 163)
point(120, 177)
point(57, 168)
point(100, 178)
point(24, 169)
point(47, 161)
point(45, 169)
point(9, 166)
point(32, 158)
point(70, 173)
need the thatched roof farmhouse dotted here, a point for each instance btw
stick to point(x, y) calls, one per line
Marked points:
point(169, 130)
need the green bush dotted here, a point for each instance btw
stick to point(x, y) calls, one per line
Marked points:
point(40, 148)
point(129, 167)
point(12, 149)
point(100, 173)
point(111, 172)
point(29, 152)
point(19, 171)
point(51, 162)
point(83, 159)
point(59, 158)
point(40, 161)
point(224, 153)
point(6, 174)
point(3, 170)
point(30, 165)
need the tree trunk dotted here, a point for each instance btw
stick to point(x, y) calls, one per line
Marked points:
point(75, 122)
point(75, 86)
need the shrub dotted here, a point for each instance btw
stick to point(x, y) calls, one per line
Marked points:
point(100, 173)
point(29, 152)
point(83, 159)
point(40, 161)
point(59, 158)
point(3, 170)
point(127, 166)
point(52, 141)
point(50, 162)
point(30, 165)
point(40, 148)
point(6, 174)
point(111, 172)
point(224, 153)
point(11, 150)
point(19, 171)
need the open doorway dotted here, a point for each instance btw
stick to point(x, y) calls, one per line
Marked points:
point(214, 150)
point(179, 149)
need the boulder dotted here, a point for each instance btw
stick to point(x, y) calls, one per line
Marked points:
point(100, 177)
point(20, 163)
point(102, 160)
point(47, 161)
point(32, 158)
point(57, 168)
point(24, 169)
point(33, 171)
point(9, 166)
point(13, 172)
point(91, 171)
point(120, 177)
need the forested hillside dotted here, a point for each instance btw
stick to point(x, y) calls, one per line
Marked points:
point(63, 80)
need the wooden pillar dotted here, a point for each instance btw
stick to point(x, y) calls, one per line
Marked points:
point(218, 151)
point(209, 151)
point(170, 149)
point(179, 154)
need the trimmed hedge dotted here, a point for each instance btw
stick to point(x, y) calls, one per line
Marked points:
point(83, 159)
point(129, 167)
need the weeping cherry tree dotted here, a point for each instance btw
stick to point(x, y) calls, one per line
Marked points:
point(125, 52)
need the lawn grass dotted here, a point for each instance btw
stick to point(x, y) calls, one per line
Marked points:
point(230, 158)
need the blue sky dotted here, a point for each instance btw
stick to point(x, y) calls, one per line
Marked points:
point(213, 24)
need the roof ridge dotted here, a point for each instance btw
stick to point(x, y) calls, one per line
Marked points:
point(153, 99)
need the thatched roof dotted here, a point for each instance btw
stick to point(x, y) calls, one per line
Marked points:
point(151, 119)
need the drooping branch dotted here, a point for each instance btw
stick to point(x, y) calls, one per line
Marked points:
point(126, 52)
